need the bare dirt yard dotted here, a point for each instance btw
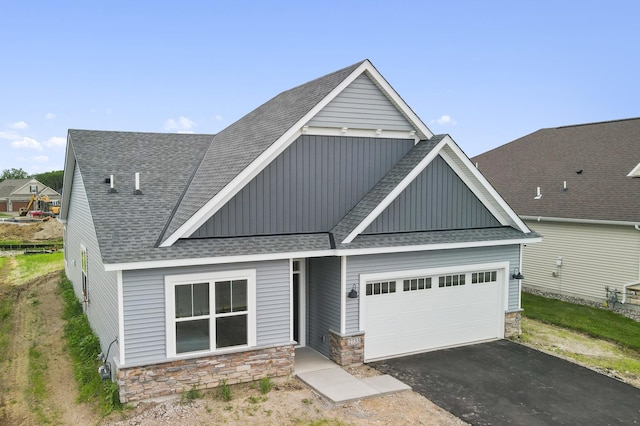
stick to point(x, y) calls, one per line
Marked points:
point(35, 326)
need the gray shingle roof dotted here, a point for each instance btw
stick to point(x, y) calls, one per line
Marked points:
point(7, 186)
point(594, 159)
point(127, 223)
point(384, 187)
point(233, 149)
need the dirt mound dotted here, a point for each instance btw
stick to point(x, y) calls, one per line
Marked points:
point(31, 232)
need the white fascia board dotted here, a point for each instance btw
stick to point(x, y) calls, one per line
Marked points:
point(263, 160)
point(585, 221)
point(505, 212)
point(395, 192)
point(307, 254)
point(380, 81)
point(360, 133)
point(635, 172)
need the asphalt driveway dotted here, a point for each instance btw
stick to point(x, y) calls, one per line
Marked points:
point(503, 382)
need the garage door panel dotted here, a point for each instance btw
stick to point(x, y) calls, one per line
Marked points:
point(418, 320)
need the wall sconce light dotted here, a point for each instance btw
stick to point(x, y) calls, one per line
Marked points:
point(517, 275)
point(353, 294)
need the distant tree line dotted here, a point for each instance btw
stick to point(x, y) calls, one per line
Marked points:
point(51, 179)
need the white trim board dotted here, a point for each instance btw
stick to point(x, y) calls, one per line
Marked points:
point(307, 254)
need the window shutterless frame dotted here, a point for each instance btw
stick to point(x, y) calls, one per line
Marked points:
point(205, 311)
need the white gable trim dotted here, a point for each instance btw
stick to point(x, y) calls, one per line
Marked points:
point(481, 187)
point(264, 159)
point(307, 254)
point(396, 191)
point(471, 177)
point(359, 133)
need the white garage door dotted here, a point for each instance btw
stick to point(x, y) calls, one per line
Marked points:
point(425, 312)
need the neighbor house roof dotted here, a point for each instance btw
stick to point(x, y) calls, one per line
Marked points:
point(593, 159)
point(8, 186)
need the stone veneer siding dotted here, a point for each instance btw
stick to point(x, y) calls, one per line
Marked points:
point(168, 378)
point(346, 350)
point(513, 324)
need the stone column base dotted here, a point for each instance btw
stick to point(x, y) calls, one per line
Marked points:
point(167, 378)
point(513, 324)
point(346, 349)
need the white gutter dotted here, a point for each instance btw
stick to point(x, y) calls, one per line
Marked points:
point(588, 221)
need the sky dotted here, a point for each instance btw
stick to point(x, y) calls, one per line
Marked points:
point(485, 72)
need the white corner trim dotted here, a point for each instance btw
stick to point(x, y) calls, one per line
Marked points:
point(291, 301)
point(343, 295)
point(395, 192)
point(121, 340)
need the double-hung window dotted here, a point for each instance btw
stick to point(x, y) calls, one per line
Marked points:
point(210, 312)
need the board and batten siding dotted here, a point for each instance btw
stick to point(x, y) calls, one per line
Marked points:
point(593, 256)
point(361, 105)
point(436, 199)
point(102, 309)
point(324, 301)
point(144, 306)
point(309, 187)
point(378, 263)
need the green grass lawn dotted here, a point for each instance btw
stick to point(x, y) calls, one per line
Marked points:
point(595, 322)
point(30, 266)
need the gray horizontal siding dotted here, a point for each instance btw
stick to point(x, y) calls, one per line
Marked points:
point(357, 265)
point(436, 199)
point(324, 301)
point(361, 105)
point(102, 310)
point(309, 187)
point(144, 310)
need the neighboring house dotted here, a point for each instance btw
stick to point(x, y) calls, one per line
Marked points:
point(579, 187)
point(329, 217)
point(16, 194)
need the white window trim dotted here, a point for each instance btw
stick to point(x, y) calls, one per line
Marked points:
point(170, 281)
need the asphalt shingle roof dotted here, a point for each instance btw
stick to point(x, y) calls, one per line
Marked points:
point(7, 186)
point(594, 159)
point(126, 223)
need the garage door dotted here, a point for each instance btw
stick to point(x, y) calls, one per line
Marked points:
point(424, 312)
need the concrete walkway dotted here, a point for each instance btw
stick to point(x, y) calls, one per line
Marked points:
point(333, 383)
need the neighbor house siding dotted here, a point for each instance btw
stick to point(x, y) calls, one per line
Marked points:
point(593, 256)
point(361, 105)
point(436, 199)
point(144, 310)
point(357, 265)
point(102, 308)
point(324, 301)
point(309, 187)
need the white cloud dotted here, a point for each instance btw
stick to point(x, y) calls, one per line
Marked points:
point(55, 142)
point(186, 131)
point(444, 119)
point(9, 135)
point(27, 143)
point(181, 124)
point(20, 125)
point(50, 116)
point(41, 159)
point(218, 117)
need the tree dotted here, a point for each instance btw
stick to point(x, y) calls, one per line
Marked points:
point(13, 174)
point(52, 179)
